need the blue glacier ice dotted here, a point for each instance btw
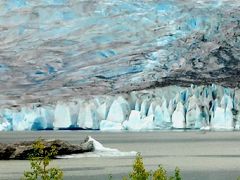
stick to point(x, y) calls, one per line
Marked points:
point(119, 65)
point(134, 121)
point(88, 116)
point(172, 107)
point(178, 118)
point(119, 110)
point(62, 116)
point(60, 49)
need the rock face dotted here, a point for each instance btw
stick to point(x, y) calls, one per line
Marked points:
point(22, 150)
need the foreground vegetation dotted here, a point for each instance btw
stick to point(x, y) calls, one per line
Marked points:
point(39, 161)
point(139, 172)
point(41, 158)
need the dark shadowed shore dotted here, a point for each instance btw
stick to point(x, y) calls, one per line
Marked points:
point(200, 155)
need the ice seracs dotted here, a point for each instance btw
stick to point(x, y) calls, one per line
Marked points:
point(4, 124)
point(119, 110)
point(62, 116)
point(196, 107)
point(159, 117)
point(151, 109)
point(110, 126)
point(148, 123)
point(138, 105)
point(47, 115)
point(222, 118)
point(178, 116)
point(144, 107)
point(194, 114)
point(137, 122)
point(102, 111)
point(134, 122)
point(88, 117)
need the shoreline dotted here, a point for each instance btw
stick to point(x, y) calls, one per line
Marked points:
point(199, 155)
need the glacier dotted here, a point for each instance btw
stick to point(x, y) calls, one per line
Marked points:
point(119, 65)
point(58, 49)
point(196, 107)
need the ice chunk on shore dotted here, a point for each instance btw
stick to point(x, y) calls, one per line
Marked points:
point(100, 151)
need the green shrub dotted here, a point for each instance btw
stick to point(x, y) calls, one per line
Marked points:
point(40, 161)
point(177, 175)
point(140, 173)
point(160, 174)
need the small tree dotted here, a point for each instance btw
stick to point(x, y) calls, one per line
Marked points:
point(39, 160)
point(139, 172)
point(177, 175)
point(160, 174)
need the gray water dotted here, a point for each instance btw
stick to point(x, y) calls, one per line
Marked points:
point(200, 155)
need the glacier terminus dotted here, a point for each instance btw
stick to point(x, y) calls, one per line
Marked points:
point(197, 107)
point(116, 65)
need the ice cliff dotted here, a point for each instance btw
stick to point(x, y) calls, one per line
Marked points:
point(197, 107)
point(75, 63)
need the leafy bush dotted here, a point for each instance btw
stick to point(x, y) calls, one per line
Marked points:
point(177, 175)
point(160, 174)
point(140, 173)
point(40, 161)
